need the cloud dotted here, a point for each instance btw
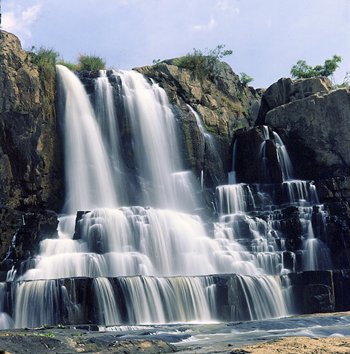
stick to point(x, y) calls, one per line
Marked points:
point(206, 27)
point(227, 6)
point(20, 20)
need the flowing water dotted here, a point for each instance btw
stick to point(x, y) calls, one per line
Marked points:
point(115, 263)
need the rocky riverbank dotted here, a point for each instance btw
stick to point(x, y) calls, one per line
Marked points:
point(318, 333)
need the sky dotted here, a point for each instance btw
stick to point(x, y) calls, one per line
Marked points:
point(267, 37)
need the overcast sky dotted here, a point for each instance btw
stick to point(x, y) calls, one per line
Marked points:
point(267, 36)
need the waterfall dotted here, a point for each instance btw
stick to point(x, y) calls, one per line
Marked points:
point(107, 120)
point(89, 181)
point(155, 262)
point(155, 140)
point(283, 158)
point(254, 216)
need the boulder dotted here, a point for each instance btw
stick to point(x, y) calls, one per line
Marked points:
point(318, 133)
point(286, 90)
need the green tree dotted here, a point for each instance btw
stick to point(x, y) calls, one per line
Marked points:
point(245, 78)
point(302, 70)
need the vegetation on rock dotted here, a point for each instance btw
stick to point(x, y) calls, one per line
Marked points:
point(301, 70)
point(245, 78)
point(203, 64)
point(91, 63)
point(46, 59)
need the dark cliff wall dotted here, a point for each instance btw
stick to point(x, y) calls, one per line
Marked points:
point(30, 146)
point(30, 153)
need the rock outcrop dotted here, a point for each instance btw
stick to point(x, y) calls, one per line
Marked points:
point(316, 123)
point(286, 90)
point(30, 152)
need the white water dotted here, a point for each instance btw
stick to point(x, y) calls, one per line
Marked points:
point(159, 253)
point(108, 122)
point(89, 181)
point(154, 132)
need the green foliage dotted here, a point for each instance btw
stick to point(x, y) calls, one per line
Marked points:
point(245, 79)
point(302, 70)
point(44, 56)
point(203, 64)
point(46, 59)
point(91, 63)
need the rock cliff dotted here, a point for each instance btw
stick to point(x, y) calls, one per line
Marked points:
point(30, 151)
point(30, 161)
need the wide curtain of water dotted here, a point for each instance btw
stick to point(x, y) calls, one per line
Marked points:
point(156, 262)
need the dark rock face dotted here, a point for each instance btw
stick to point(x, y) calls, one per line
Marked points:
point(30, 153)
point(21, 233)
point(286, 90)
point(256, 158)
point(317, 126)
point(334, 193)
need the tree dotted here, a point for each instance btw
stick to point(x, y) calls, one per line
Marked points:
point(245, 78)
point(302, 70)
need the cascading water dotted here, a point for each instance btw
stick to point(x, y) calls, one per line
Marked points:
point(107, 119)
point(89, 181)
point(155, 141)
point(258, 212)
point(143, 264)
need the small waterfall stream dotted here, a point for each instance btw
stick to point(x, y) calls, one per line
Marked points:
point(159, 262)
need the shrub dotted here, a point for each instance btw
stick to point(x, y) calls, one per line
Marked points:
point(90, 63)
point(302, 70)
point(245, 79)
point(203, 64)
point(46, 60)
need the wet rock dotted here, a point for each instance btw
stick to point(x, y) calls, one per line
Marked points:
point(21, 233)
point(313, 291)
point(256, 156)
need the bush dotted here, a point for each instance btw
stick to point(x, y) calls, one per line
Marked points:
point(203, 64)
point(90, 63)
point(46, 60)
point(44, 56)
point(245, 79)
point(301, 70)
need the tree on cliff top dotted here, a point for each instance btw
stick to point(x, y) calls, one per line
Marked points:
point(301, 70)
